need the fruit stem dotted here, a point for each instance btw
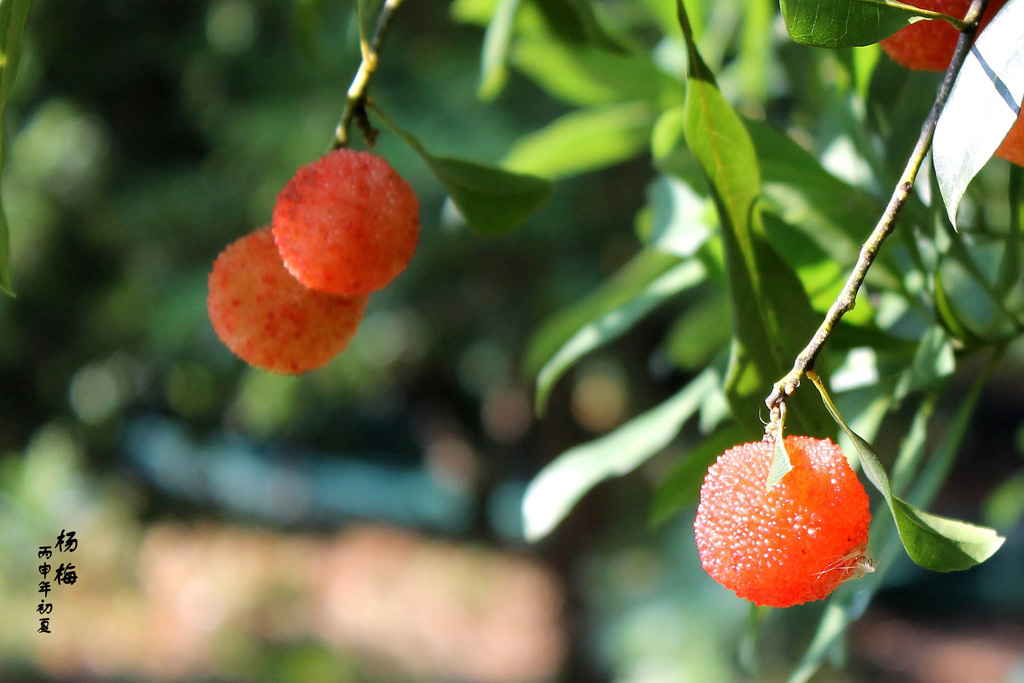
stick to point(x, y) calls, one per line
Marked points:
point(886, 224)
point(355, 103)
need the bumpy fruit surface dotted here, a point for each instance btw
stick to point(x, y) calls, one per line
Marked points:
point(346, 223)
point(929, 45)
point(267, 318)
point(793, 544)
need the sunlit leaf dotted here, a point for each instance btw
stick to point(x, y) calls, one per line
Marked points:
point(13, 15)
point(587, 76)
point(982, 107)
point(558, 487)
point(847, 23)
point(648, 281)
point(494, 55)
point(680, 219)
point(566, 147)
point(772, 317)
point(829, 212)
point(492, 200)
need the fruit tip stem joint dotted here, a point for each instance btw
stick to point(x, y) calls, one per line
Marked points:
point(357, 95)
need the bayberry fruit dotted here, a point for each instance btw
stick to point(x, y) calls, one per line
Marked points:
point(346, 223)
point(267, 317)
point(790, 545)
point(1012, 148)
point(928, 45)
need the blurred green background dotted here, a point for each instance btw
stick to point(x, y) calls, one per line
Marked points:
point(362, 522)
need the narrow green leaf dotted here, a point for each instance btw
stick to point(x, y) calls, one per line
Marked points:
point(681, 487)
point(588, 76)
point(494, 56)
point(566, 147)
point(933, 542)
point(933, 361)
point(949, 316)
point(492, 201)
point(982, 107)
point(558, 487)
point(781, 464)
point(772, 316)
point(847, 23)
point(614, 323)
point(628, 283)
point(575, 21)
point(13, 15)
point(648, 281)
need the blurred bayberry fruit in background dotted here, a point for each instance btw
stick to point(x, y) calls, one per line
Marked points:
point(268, 318)
point(346, 223)
point(928, 45)
point(792, 544)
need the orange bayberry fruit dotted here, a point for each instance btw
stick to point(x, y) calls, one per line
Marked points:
point(1012, 148)
point(928, 45)
point(346, 223)
point(792, 544)
point(267, 318)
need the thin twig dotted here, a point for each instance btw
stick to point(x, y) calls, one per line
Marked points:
point(887, 223)
point(355, 104)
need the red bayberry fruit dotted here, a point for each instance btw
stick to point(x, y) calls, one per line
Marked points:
point(346, 223)
point(792, 544)
point(928, 45)
point(267, 318)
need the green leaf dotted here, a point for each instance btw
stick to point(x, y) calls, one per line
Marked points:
point(574, 21)
point(943, 544)
point(681, 487)
point(1004, 507)
point(558, 487)
point(982, 107)
point(492, 201)
point(847, 23)
point(933, 542)
point(831, 213)
point(933, 361)
point(700, 332)
point(607, 314)
point(586, 76)
point(949, 315)
point(625, 285)
point(680, 220)
point(13, 15)
point(781, 464)
point(772, 317)
point(584, 140)
point(494, 56)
